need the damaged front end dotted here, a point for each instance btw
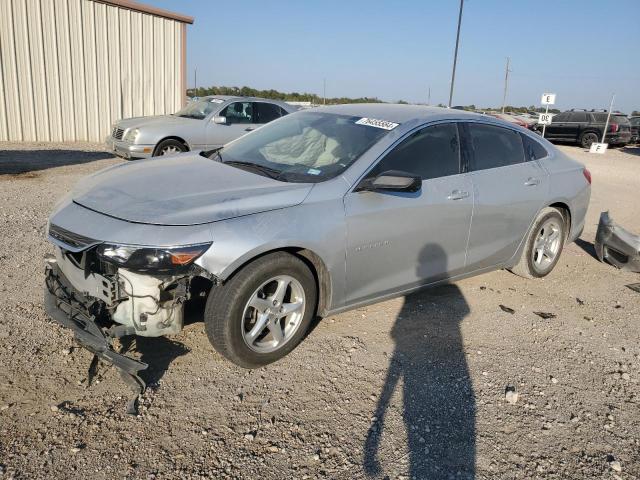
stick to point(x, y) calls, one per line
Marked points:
point(616, 245)
point(104, 292)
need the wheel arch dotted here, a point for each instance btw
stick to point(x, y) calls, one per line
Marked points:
point(309, 257)
point(171, 137)
point(565, 211)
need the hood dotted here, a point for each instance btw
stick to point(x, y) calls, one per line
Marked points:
point(184, 189)
point(161, 120)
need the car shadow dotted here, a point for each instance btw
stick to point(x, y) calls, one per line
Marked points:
point(157, 352)
point(587, 246)
point(16, 162)
point(437, 394)
point(632, 150)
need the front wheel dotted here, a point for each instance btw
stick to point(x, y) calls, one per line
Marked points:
point(169, 147)
point(263, 311)
point(543, 245)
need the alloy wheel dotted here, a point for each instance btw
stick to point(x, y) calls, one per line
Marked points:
point(273, 314)
point(546, 245)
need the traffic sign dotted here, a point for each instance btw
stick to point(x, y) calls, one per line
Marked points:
point(544, 118)
point(548, 99)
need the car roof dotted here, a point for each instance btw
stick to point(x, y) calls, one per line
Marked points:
point(397, 113)
point(246, 99)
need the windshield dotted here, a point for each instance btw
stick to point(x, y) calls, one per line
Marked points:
point(304, 146)
point(199, 109)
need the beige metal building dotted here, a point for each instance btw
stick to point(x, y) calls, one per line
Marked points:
point(70, 68)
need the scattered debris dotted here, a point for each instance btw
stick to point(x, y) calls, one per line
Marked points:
point(616, 245)
point(510, 395)
point(580, 301)
point(634, 286)
point(614, 464)
point(545, 315)
point(504, 308)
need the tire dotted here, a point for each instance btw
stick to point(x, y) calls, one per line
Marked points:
point(230, 319)
point(586, 139)
point(169, 147)
point(540, 265)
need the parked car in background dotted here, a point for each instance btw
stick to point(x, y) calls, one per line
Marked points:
point(205, 123)
point(321, 211)
point(635, 129)
point(586, 127)
point(511, 118)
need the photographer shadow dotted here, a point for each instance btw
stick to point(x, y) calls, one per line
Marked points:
point(437, 393)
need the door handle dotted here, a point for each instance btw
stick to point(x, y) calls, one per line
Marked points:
point(249, 129)
point(532, 181)
point(457, 195)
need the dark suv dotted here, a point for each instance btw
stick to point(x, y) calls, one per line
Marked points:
point(586, 127)
point(635, 129)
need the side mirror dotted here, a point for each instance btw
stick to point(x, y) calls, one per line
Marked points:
point(391, 181)
point(220, 120)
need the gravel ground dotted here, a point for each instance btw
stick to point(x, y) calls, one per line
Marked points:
point(412, 387)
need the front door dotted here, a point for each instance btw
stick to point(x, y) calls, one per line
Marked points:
point(509, 190)
point(396, 241)
point(239, 121)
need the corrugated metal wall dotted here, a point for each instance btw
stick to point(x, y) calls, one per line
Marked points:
point(70, 68)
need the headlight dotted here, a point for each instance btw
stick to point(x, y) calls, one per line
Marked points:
point(132, 135)
point(151, 258)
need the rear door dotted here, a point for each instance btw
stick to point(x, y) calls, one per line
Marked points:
point(509, 189)
point(576, 124)
point(399, 240)
point(265, 112)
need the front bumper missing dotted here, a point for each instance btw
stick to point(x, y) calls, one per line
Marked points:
point(72, 310)
point(616, 245)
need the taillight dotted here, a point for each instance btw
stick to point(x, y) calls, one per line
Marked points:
point(613, 128)
point(587, 175)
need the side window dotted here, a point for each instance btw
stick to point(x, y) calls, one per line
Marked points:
point(238, 112)
point(431, 153)
point(578, 117)
point(494, 146)
point(561, 117)
point(283, 112)
point(532, 149)
point(265, 112)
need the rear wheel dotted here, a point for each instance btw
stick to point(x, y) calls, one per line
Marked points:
point(543, 245)
point(263, 311)
point(587, 139)
point(169, 147)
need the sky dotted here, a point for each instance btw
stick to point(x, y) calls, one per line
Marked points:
point(582, 50)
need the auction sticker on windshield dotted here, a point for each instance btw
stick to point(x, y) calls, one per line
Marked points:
point(373, 122)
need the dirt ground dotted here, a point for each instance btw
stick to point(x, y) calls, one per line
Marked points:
point(409, 388)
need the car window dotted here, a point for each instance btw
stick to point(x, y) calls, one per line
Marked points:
point(635, 122)
point(578, 117)
point(561, 117)
point(266, 112)
point(198, 109)
point(238, 112)
point(494, 146)
point(599, 117)
point(532, 149)
point(430, 153)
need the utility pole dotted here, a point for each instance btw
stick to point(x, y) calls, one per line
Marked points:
point(455, 55)
point(506, 84)
point(324, 91)
point(429, 97)
point(195, 82)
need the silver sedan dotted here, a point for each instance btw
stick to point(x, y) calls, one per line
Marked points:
point(318, 212)
point(208, 122)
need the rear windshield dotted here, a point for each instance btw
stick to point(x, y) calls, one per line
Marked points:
point(602, 117)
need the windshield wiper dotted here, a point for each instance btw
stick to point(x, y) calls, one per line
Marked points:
point(269, 172)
